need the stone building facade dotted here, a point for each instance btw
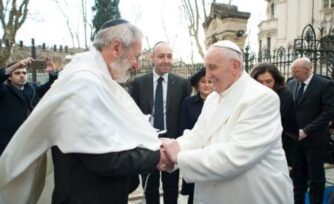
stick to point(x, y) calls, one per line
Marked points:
point(225, 22)
point(286, 20)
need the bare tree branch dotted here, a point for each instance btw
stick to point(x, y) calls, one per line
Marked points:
point(12, 18)
point(2, 16)
point(84, 18)
point(204, 9)
point(193, 17)
point(23, 11)
point(67, 21)
point(164, 27)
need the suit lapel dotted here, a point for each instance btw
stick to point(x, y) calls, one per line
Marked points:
point(170, 92)
point(149, 85)
point(309, 89)
point(294, 89)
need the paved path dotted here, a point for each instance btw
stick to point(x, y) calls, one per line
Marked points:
point(137, 196)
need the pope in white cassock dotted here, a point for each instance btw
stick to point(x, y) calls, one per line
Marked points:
point(234, 152)
point(91, 125)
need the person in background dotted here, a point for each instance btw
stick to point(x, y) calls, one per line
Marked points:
point(160, 94)
point(234, 152)
point(190, 110)
point(268, 75)
point(90, 124)
point(18, 97)
point(314, 101)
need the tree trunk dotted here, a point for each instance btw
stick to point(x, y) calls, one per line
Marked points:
point(12, 16)
point(5, 53)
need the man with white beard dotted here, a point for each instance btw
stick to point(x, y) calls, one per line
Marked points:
point(87, 120)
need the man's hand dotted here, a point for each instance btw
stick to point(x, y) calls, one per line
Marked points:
point(302, 135)
point(20, 64)
point(171, 147)
point(164, 164)
point(50, 65)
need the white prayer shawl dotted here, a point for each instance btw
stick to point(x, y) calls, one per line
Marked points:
point(234, 152)
point(85, 111)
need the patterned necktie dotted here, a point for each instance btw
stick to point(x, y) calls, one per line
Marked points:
point(300, 92)
point(158, 106)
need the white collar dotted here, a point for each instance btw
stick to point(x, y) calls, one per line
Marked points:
point(307, 81)
point(157, 76)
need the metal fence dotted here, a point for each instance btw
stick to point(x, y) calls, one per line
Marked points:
point(320, 52)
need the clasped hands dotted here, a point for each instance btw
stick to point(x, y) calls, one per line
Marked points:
point(168, 154)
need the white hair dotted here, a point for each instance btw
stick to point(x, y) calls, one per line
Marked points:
point(125, 32)
point(303, 61)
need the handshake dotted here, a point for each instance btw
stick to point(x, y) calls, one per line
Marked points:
point(168, 154)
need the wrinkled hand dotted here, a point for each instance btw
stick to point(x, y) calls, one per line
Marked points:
point(50, 65)
point(164, 164)
point(20, 64)
point(171, 147)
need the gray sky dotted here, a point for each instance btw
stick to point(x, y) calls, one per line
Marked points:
point(158, 19)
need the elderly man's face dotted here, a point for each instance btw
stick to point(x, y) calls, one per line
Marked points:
point(128, 60)
point(219, 69)
point(18, 77)
point(299, 72)
point(134, 54)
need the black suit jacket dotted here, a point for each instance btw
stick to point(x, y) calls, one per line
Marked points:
point(177, 89)
point(288, 114)
point(16, 105)
point(315, 109)
point(99, 178)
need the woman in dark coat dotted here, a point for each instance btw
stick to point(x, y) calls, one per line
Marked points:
point(190, 110)
point(268, 75)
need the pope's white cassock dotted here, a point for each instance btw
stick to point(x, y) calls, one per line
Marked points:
point(234, 152)
point(85, 111)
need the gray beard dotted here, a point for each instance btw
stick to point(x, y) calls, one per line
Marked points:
point(120, 70)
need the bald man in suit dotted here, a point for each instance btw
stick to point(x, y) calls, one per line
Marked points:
point(174, 89)
point(313, 96)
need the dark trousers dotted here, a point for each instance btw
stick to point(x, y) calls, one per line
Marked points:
point(289, 146)
point(170, 184)
point(308, 172)
point(188, 189)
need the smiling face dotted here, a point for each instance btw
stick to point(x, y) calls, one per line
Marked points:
point(221, 69)
point(204, 87)
point(162, 57)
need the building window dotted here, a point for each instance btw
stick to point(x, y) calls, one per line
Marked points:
point(269, 44)
point(328, 4)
